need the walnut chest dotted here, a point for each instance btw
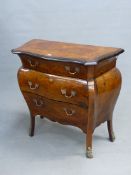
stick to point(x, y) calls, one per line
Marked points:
point(71, 84)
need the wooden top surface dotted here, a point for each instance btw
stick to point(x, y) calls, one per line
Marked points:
point(67, 52)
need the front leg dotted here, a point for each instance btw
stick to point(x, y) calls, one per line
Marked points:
point(91, 113)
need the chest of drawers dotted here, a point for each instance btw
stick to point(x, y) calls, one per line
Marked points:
point(70, 84)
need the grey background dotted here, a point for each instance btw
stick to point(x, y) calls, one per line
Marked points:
point(57, 149)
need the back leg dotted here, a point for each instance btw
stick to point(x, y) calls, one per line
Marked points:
point(41, 116)
point(32, 125)
point(110, 130)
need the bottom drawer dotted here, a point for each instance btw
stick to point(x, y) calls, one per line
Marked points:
point(61, 112)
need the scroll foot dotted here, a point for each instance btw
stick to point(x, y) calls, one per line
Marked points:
point(89, 153)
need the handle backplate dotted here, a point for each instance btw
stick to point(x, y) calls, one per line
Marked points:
point(72, 94)
point(69, 112)
point(68, 69)
point(33, 86)
point(38, 103)
point(33, 63)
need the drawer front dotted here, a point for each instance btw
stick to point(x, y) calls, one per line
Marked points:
point(57, 111)
point(73, 70)
point(105, 66)
point(54, 87)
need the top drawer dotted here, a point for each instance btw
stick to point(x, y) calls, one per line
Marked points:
point(73, 70)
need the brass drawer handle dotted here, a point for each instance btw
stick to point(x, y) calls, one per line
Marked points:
point(77, 70)
point(38, 103)
point(33, 87)
point(69, 112)
point(73, 93)
point(33, 64)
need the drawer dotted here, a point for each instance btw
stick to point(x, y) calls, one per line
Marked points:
point(73, 70)
point(57, 111)
point(54, 87)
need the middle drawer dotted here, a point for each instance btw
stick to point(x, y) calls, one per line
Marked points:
point(54, 87)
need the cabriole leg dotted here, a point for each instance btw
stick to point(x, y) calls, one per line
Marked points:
point(91, 115)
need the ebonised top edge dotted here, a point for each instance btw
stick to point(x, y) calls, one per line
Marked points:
point(98, 60)
point(67, 52)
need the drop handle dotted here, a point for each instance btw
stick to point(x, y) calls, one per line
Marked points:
point(33, 64)
point(33, 86)
point(64, 92)
point(69, 112)
point(38, 102)
point(67, 68)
